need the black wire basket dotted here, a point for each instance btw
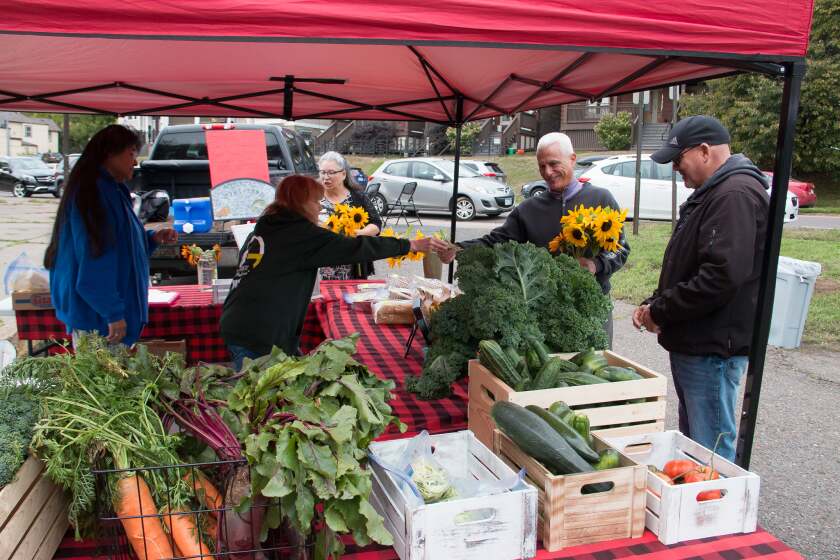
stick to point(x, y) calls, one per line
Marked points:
point(219, 524)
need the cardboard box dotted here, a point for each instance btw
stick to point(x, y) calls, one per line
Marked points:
point(31, 301)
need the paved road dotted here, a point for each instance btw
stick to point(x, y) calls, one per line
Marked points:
point(797, 438)
point(817, 221)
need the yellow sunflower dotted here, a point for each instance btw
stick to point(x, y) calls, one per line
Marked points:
point(342, 209)
point(610, 244)
point(575, 235)
point(333, 223)
point(358, 216)
point(555, 244)
point(607, 225)
point(396, 261)
point(416, 255)
point(348, 224)
point(573, 217)
point(388, 232)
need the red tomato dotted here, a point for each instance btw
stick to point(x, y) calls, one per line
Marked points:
point(679, 467)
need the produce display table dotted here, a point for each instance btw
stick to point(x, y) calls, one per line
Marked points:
point(760, 544)
point(192, 317)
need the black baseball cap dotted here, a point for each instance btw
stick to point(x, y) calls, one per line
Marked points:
point(689, 132)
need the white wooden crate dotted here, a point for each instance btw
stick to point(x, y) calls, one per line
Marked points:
point(673, 512)
point(502, 526)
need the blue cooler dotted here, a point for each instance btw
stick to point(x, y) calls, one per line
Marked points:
point(195, 211)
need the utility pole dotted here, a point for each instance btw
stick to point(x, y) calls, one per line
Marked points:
point(636, 203)
point(65, 147)
point(675, 107)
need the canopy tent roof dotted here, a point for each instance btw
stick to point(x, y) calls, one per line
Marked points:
point(404, 60)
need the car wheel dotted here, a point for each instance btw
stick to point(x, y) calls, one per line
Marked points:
point(537, 192)
point(20, 191)
point(464, 209)
point(59, 192)
point(379, 203)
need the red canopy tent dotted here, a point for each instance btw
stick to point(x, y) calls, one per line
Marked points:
point(446, 61)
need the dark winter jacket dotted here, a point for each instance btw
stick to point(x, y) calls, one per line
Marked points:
point(278, 264)
point(706, 300)
point(538, 220)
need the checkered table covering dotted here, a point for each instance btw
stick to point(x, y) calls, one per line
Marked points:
point(381, 348)
point(192, 317)
point(761, 545)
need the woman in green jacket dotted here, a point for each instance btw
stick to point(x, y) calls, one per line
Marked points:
point(278, 265)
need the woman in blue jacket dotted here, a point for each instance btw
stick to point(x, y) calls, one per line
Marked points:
point(98, 256)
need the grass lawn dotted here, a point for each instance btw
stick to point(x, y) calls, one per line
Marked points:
point(639, 277)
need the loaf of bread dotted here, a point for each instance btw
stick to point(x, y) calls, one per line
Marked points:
point(390, 312)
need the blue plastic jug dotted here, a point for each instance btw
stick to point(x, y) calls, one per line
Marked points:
point(198, 212)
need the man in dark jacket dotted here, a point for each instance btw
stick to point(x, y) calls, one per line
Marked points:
point(538, 219)
point(704, 307)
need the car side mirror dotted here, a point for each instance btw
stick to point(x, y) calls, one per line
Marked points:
point(440, 178)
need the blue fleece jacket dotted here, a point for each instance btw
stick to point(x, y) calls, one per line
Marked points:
point(89, 292)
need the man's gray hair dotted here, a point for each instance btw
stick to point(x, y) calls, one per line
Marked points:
point(334, 156)
point(558, 138)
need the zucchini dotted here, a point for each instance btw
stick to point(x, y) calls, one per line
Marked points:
point(589, 361)
point(491, 356)
point(615, 373)
point(550, 374)
point(532, 358)
point(537, 439)
point(580, 422)
point(581, 378)
point(538, 347)
point(512, 354)
point(608, 460)
point(569, 434)
point(561, 410)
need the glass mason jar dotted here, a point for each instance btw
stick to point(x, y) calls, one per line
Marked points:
point(207, 269)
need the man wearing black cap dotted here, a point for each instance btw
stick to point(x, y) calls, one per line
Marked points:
point(704, 307)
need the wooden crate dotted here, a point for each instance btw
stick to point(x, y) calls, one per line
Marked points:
point(33, 515)
point(673, 512)
point(500, 526)
point(485, 389)
point(567, 517)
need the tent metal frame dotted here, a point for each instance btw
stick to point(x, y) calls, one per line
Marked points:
point(792, 69)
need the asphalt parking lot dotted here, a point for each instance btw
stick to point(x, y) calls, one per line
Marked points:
point(797, 441)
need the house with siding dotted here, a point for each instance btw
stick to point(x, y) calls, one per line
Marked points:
point(22, 135)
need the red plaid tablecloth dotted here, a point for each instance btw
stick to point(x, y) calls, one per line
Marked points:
point(381, 348)
point(192, 317)
point(760, 544)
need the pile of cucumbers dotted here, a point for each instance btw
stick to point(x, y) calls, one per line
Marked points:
point(535, 369)
point(558, 438)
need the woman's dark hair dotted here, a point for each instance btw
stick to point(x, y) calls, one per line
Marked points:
point(80, 188)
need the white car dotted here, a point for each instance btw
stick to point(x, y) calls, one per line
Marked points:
point(617, 174)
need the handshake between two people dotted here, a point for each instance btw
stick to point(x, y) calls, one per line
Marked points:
point(434, 245)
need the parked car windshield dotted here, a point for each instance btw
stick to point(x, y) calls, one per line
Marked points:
point(449, 167)
point(29, 164)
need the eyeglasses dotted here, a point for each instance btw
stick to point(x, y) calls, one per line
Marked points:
point(328, 173)
point(676, 161)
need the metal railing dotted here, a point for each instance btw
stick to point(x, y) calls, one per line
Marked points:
point(583, 112)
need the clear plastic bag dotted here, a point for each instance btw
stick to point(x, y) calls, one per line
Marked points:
point(23, 274)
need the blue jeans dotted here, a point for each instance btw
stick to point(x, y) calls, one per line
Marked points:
point(239, 353)
point(707, 387)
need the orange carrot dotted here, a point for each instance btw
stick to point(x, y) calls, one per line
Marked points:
point(144, 533)
point(205, 491)
point(184, 531)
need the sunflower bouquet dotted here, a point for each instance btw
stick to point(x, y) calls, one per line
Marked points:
point(585, 232)
point(193, 253)
point(347, 220)
point(410, 233)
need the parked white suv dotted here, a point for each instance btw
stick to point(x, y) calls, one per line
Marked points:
point(617, 174)
point(476, 194)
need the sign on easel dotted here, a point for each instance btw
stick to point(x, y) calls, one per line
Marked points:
point(239, 187)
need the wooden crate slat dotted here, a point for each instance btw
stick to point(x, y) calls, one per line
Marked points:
point(39, 531)
point(12, 493)
point(56, 534)
point(23, 518)
point(645, 428)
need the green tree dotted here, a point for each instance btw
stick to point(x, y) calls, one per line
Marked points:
point(82, 127)
point(469, 132)
point(615, 132)
point(749, 104)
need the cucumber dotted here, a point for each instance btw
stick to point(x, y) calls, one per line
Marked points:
point(569, 434)
point(512, 355)
point(550, 374)
point(491, 356)
point(532, 358)
point(615, 373)
point(581, 378)
point(589, 361)
point(608, 460)
point(538, 347)
point(537, 439)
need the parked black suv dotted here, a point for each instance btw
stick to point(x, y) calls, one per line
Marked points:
point(25, 176)
point(178, 165)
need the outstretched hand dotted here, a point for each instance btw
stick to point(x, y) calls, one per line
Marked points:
point(429, 244)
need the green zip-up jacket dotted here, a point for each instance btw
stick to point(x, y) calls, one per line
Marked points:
point(278, 265)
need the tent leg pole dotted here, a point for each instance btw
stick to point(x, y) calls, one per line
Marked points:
point(770, 260)
point(459, 116)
